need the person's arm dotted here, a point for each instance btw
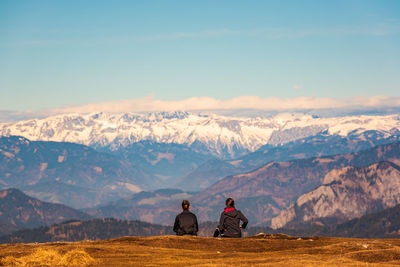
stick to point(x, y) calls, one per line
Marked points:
point(176, 224)
point(196, 225)
point(221, 222)
point(244, 220)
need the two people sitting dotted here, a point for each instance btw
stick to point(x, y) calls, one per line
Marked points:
point(229, 222)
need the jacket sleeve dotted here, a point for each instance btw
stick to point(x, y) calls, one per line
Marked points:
point(196, 225)
point(244, 220)
point(221, 222)
point(176, 224)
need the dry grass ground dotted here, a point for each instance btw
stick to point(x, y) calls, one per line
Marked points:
point(261, 250)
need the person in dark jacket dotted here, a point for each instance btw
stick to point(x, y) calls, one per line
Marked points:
point(229, 222)
point(186, 222)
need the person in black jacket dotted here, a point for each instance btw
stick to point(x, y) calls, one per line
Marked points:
point(186, 222)
point(229, 222)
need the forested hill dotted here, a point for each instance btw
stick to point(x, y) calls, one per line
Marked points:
point(96, 229)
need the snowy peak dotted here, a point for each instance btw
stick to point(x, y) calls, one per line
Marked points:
point(221, 136)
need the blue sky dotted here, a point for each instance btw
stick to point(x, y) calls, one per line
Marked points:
point(70, 53)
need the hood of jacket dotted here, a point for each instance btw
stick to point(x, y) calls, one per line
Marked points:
point(231, 212)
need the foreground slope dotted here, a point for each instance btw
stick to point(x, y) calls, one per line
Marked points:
point(260, 250)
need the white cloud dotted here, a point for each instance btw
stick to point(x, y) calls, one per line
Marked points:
point(150, 103)
point(239, 106)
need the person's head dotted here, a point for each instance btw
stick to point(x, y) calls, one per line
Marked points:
point(185, 205)
point(230, 203)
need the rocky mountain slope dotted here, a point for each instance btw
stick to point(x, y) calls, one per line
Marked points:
point(345, 194)
point(18, 210)
point(225, 137)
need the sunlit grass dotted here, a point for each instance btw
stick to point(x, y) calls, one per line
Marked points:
point(50, 257)
point(204, 251)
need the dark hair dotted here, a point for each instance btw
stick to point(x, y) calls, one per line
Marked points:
point(230, 202)
point(185, 204)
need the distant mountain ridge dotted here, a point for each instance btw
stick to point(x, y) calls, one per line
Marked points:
point(224, 137)
point(18, 210)
point(79, 174)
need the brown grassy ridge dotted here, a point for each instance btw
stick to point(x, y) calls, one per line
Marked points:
point(259, 250)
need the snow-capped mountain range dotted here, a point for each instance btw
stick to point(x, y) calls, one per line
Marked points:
point(224, 137)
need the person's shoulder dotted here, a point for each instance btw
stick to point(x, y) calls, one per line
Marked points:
point(241, 214)
point(186, 213)
point(180, 214)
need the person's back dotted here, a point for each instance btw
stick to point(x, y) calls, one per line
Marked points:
point(229, 223)
point(186, 222)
